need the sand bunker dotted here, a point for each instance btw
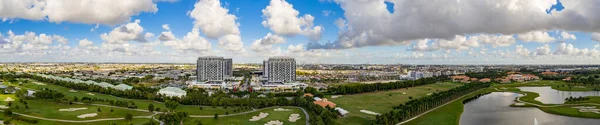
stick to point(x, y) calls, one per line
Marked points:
point(3, 107)
point(72, 90)
point(281, 109)
point(276, 122)
point(38, 83)
point(87, 115)
point(336, 96)
point(403, 93)
point(260, 116)
point(294, 117)
point(369, 112)
point(519, 104)
point(72, 109)
point(9, 99)
point(90, 93)
point(588, 109)
point(429, 93)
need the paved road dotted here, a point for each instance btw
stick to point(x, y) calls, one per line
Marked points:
point(413, 118)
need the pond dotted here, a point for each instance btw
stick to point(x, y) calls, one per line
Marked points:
point(552, 96)
point(493, 109)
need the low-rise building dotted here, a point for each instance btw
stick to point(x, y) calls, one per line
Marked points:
point(324, 103)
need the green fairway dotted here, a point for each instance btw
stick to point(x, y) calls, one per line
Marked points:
point(42, 122)
point(381, 101)
point(142, 104)
point(243, 119)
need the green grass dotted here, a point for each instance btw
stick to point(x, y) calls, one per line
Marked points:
point(142, 104)
point(42, 122)
point(244, 119)
point(49, 109)
point(569, 111)
point(381, 101)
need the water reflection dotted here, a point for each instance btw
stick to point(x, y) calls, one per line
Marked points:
point(493, 109)
point(552, 96)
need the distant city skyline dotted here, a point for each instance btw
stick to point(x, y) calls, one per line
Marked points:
point(311, 31)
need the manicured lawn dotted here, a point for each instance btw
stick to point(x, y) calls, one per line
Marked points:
point(381, 101)
point(142, 104)
point(244, 119)
point(50, 109)
point(569, 111)
point(42, 122)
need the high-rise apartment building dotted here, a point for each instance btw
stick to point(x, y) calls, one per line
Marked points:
point(228, 67)
point(212, 68)
point(280, 69)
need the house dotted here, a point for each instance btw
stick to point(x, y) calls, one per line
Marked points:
point(567, 79)
point(324, 103)
point(485, 80)
point(460, 78)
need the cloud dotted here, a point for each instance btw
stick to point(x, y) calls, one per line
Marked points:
point(191, 43)
point(109, 12)
point(567, 36)
point(125, 33)
point(569, 49)
point(166, 36)
point(521, 51)
point(340, 23)
point(266, 43)
point(536, 36)
point(281, 17)
point(596, 37)
point(85, 43)
point(166, 27)
point(327, 12)
point(543, 50)
point(215, 21)
point(414, 20)
point(30, 43)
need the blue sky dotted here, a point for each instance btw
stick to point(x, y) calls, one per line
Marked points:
point(411, 33)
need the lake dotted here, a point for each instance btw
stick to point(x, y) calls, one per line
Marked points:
point(552, 96)
point(493, 109)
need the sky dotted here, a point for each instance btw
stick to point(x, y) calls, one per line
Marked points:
point(312, 31)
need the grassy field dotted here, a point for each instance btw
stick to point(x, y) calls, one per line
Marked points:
point(41, 122)
point(244, 119)
point(450, 114)
point(50, 109)
point(569, 111)
point(382, 101)
point(142, 104)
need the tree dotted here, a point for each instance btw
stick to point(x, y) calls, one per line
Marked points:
point(8, 112)
point(216, 116)
point(75, 99)
point(198, 122)
point(151, 122)
point(151, 107)
point(99, 110)
point(171, 105)
point(128, 116)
